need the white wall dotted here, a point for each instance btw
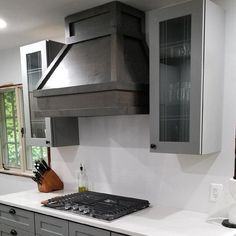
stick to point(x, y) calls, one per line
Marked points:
point(116, 153)
point(10, 71)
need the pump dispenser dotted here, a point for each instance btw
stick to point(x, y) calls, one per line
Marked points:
point(82, 180)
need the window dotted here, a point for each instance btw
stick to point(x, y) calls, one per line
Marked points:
point(15, 155)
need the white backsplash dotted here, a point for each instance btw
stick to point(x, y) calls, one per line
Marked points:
point(115, 151)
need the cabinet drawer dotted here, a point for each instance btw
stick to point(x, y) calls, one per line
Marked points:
point(50, 226)
point(9, 230)
point(16, 217)
point(84, 230)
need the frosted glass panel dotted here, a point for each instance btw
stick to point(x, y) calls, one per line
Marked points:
point(175, 84)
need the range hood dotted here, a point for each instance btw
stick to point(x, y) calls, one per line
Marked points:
point(103, 68)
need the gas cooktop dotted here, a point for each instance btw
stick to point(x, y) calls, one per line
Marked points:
point(98, 205)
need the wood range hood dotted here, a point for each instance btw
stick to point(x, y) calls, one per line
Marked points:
point(102, 70)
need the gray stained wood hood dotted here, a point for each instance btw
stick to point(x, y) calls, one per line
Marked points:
point(102, 70)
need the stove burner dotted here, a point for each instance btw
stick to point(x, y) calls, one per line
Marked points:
point(98, 205)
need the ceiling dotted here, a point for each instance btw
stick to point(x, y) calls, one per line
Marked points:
point(34, 20)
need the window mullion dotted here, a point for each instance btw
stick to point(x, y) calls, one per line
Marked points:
point(4, 134)
point(14, 125)
point(1, 130)
point(19, 111)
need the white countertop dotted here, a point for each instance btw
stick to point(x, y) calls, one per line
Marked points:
point(152, 221)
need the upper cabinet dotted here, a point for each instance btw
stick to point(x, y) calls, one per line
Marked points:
point(35, 58)
point(186, 71)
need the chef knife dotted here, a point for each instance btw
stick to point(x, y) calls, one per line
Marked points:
point(36, 180)
point(45, 164)
point(41, 168)
point(38, 175)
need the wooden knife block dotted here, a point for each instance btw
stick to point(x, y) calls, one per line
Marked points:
point(50, 182)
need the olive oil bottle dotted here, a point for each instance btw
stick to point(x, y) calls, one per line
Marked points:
point(82, 180)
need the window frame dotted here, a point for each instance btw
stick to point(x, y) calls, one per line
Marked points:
point(24, 148)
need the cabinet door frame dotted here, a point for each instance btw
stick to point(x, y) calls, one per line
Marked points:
point(28, 49)
point(85, 230)
point(49, 226)
point(196, 9)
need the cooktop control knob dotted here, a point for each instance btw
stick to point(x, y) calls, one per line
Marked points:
point(81, 208)
point(68, 206)
point(86, 210)
point(75, 207)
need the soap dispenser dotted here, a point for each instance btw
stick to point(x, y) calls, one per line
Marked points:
point(82, 180)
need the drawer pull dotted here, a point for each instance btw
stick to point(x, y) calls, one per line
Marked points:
point(13, 232)
point(12, 211)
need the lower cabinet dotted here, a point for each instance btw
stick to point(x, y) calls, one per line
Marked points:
point(20, 222)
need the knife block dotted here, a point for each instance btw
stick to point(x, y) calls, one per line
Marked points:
point(50, 182)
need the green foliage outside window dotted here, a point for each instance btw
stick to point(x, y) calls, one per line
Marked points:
point(36, 153)
point(12, 142)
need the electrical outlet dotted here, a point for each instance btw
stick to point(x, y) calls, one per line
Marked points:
point(215, 191)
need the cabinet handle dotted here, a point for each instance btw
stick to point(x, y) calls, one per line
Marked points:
point(153, 146)
point(47, 142)
point(12, 211)
point(13, 232)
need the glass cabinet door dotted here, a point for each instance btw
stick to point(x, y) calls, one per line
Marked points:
point(174, 79)
point(33, 65)
point(34, 73)
point(176, 56)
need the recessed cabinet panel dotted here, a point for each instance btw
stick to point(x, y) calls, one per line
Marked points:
point(184, 86)
point(50, 226)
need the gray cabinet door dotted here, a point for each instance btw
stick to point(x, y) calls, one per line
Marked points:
point(185, 92)
point(84, 230)
point(17, 218)
point(50, 226)
point(176, 65)
point(10, 231)
point(33, 65)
